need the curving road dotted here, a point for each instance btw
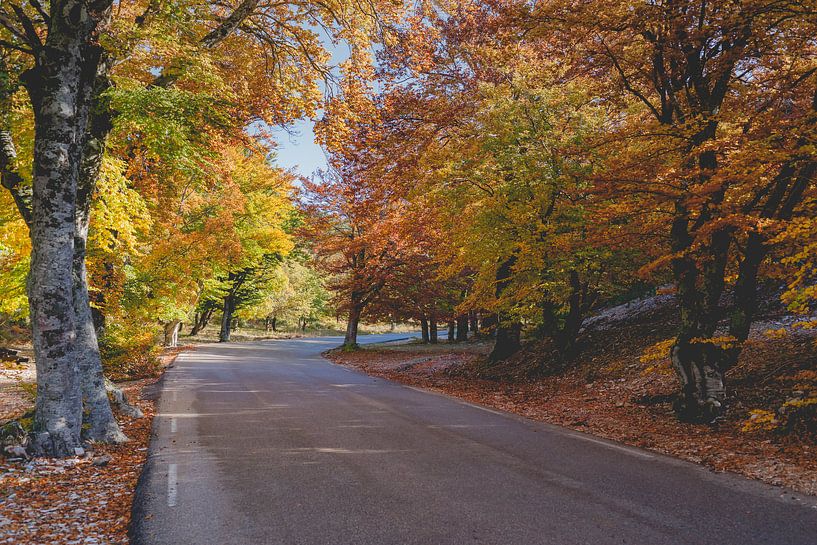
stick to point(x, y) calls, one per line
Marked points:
point(267, 443)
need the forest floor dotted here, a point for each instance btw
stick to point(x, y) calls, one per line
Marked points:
point(609, 392)
point(82, 500)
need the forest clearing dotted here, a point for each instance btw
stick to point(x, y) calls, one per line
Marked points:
point(223, 223)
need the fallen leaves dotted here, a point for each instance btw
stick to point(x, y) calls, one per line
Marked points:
point(83, 500)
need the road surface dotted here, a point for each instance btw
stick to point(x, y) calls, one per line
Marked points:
point(267, 443)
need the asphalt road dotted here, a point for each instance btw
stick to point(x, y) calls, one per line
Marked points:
point(267, 443)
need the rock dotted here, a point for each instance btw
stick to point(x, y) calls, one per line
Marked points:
point(102, 461)
point(79, 451)
point(16, 451)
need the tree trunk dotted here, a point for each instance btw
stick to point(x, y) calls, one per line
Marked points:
point(60, 87)
point(489, 324)
point(424, 329)
point(99, 421)
point(274, 324)
point(303, 326)
point(508, 341)
point(462, 328)
point(473, 323)
point(226, 319)
point(508, 330)
point(451, 331)
point(432, 330)
point(171, 333)
point(696, 361)
point(119, 399)
point(352, 323)
point(202, 321)
point(578, 304)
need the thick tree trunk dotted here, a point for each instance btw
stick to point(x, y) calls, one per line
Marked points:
point(274, 323)
point(60, 87)
point(508, 341)
point(696, 361)
point(424, 329)
point(452, 329)
point(226, 319)
point(99, 422)
point(171, 333)
point(432, 330)
point(352, 323)
point(462, 328)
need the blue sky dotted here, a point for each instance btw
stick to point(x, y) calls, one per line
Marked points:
point(298, 150)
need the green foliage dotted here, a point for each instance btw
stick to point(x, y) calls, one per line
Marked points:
point(173, 126)
point(295, 292)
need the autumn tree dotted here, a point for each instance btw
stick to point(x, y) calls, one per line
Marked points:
point(83, 54)
point(350, 223)
point(717, 113)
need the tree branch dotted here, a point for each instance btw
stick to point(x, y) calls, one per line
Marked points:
point(212, 39)
point(11, 179)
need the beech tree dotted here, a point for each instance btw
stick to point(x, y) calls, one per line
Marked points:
point(99, 44)
point(725, 92)
point(352, 227)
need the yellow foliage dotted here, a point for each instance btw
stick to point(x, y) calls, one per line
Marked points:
point(724, 342)
point(658, 351)
point(781, 333)
point(761, 420)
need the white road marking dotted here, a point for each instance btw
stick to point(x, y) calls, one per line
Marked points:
point(173, 425)
point(481, 408)
point(622, 448)
point(172, 485)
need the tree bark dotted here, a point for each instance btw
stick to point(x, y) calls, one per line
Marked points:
point(432, 330)
point(424, 329)
point(171, 333)
point(99, 421)
point(202, 321)
point(579, 302)
point(508, 341)
point(226, 318)
point(452, 328)
point(462, 328)
point(696, 361)
point(60, 87)
point(508, 330)
point(489, 324)
point(352, 323)
point(473, 323)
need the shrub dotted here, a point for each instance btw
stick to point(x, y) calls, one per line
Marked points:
point(129, 351)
